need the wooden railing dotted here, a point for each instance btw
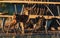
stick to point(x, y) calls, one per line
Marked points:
point(31, 2)
point(4, 16)
point(32, 16)
point(46, 17)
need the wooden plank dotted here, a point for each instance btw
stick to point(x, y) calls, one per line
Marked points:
point(46, 17)
point(33, 16)
point(4, 16)
point(31, 2)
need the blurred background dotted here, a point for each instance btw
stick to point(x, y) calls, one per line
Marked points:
point(44, 28)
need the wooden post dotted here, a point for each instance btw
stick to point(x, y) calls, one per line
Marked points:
point(22, 27)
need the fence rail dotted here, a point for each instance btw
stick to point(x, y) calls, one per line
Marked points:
point(31, 2)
